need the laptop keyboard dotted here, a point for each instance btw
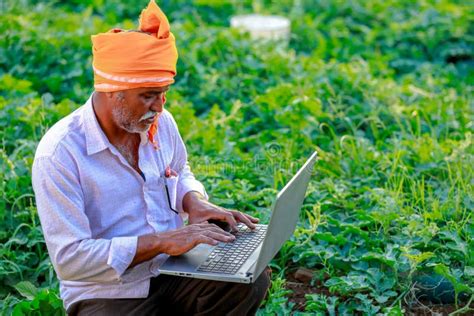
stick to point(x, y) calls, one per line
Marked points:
point(227, 258)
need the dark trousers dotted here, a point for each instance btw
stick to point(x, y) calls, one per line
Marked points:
point(184, 296)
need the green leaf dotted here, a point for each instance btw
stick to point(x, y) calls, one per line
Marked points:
point(393, 311)
point(469, 271)
point(22, 308)
point(458, 285)
point(26, 289)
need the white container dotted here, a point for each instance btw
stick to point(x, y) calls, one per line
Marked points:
point(268, 27)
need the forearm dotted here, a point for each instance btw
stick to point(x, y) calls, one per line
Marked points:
point(148, 246)
point(191, 200)
point(178, 241)
point(91, 260)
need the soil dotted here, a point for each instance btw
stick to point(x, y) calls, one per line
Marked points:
point(299, 284)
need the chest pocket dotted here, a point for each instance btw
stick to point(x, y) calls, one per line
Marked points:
point(172, 184)
point(169, 177)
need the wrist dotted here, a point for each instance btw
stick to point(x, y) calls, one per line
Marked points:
point(159, 244)
point(193, 201)
point(148, 246)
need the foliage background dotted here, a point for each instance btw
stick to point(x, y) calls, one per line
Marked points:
point(382, 89)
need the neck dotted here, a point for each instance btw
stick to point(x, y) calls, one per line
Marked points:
point(115, 134)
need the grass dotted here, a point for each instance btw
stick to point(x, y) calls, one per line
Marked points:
point(382, 89)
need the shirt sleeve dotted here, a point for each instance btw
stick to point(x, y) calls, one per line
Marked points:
point(75, 255)
point(186, 180)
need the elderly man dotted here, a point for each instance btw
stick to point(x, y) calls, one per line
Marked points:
point(112, 183)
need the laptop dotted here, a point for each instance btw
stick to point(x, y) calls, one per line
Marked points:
point(246, 257)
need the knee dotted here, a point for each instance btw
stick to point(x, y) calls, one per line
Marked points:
point(259, 288)
point(246, 297)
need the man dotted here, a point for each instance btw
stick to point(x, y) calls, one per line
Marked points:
point(112, 183)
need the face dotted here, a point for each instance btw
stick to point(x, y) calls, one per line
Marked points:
point(134, 110)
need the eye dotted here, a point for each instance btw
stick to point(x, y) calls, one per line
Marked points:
point(148, 97)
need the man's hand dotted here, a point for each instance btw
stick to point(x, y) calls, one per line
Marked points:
point(181, 240)
point(200, 211)
point(178, 241)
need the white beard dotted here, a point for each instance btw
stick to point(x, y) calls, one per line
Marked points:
point(123, 119)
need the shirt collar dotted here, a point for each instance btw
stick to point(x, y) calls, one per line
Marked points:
point(96, 140)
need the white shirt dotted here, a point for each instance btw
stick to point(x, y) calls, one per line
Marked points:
point(93, 205)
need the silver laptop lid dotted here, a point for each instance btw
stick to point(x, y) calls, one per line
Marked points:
point(285, 214)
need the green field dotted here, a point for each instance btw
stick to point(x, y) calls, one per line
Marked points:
point(383, 90)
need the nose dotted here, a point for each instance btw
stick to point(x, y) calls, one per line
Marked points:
point(159, 103)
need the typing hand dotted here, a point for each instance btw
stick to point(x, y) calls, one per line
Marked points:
point(181, 240)
point(201, 210)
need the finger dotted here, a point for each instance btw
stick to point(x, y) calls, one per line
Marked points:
point(203, 239)
point(228, 217)
point(211, 227)
point(253, 219)
point(220, 237)
point(243, 219)
point(196, 227)
point(217, 229)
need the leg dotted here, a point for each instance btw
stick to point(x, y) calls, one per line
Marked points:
point(114, 307)
point(204, 297)
point(155, 304)
point(235, 298)
point(183, 296)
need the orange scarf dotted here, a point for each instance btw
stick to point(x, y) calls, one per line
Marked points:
point(128, 59)
point(154, 128)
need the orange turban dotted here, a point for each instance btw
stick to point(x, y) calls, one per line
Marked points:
point(126, 59)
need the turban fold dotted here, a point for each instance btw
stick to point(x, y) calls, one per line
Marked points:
point(132, 59)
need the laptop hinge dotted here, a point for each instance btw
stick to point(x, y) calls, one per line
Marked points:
point(251, 269)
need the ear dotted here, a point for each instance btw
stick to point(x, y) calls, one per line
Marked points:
point(163, 98)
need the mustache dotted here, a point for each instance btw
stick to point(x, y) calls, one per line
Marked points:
point(148, 115)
